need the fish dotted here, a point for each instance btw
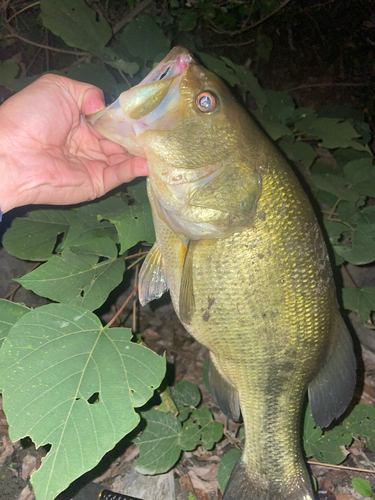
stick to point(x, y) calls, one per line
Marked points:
point(240, 250)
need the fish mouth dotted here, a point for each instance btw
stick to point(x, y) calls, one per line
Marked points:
point(152, 104)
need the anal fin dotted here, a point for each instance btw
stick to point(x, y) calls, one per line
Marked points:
point(223, 390)
point(187, 300)
point(152, 278)
point(332, 389)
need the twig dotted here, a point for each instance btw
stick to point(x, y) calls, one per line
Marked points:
point(312, 85)
point(253, 25)
point(343, 467)
point(135, 299)
point(232, 44)
point(130, 16)
point(136, 262)
point(135, 255)
point(22, 10)
point(62, 51)
point(348, 276)
point(122, 307)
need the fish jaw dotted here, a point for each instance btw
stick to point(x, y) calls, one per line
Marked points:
point(152, 104)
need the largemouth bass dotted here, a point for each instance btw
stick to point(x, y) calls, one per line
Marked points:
point(239, 248)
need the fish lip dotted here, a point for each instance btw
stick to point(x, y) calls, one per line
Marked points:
point(173, 66)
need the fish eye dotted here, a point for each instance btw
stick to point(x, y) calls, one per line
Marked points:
point(206, 102)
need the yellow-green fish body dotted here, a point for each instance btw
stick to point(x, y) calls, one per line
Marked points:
point(239, 248)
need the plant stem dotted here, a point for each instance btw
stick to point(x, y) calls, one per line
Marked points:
point(122, 308)
point(22, 10)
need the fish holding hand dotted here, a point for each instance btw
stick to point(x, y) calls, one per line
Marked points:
point(239, 248)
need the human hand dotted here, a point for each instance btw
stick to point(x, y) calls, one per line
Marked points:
point(48, 152)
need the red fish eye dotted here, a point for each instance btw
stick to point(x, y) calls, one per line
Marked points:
point(206, 102)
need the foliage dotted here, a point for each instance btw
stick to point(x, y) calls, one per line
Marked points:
point(362, 487)
point(166, 435)
point(82, 252)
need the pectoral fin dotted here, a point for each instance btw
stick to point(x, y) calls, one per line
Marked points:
point(332, 389)
point(223, 390)
point(152, 278)
point(187, 301)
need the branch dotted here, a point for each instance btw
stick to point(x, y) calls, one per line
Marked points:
point(130, 16)
point(253, 25)
point(47, 47)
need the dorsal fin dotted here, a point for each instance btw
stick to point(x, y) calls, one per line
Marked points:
point(332, 389)
point(152, 278)
point(223, 390)
point(186, 300)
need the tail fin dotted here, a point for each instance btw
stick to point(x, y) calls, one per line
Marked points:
point(241, 487)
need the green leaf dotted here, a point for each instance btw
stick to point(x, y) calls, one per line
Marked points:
point(279, 107)
point(8, 72)
point(335, 185)
point(361, 174)
point(220, 68)
point(333, 132)
point(299, 151)
point(133, 224)
point(361, 300)
point(114, 59)
point(361, 423)
point(77, 279)
point(94, 74)
point(87, 224)
point(158, 444)
point(334, 230)
point(311, 433)
point(33, 237)
point(362, 487)
point(226, 466)
point(189, 436)
point(187, 20)
point(10, 313)
point(53, 361)
point(211, 431)
point(360, 249)
point(327, 449)
point(274, 129)
point(248, 81)
point(77, 24)
point(186, 394)
point(143, 38)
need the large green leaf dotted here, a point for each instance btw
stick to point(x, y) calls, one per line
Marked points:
point(143, 38)
point(77, 24)
point(78, 278)
point(87, 224)
point(186, 397)
point(361, 300)
point(94, 74)
point(10, 313)
point(8, 72)
point(158, 445)
point(361, 174)
point(70, 382)
point(133, 222)
point(361, 423)
point(226, 466)
point(220, 68)
point(33, 237)
point(299, 151)
point(333, 132)
point(360, 247)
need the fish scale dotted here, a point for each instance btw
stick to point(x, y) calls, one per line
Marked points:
point(239, 248)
